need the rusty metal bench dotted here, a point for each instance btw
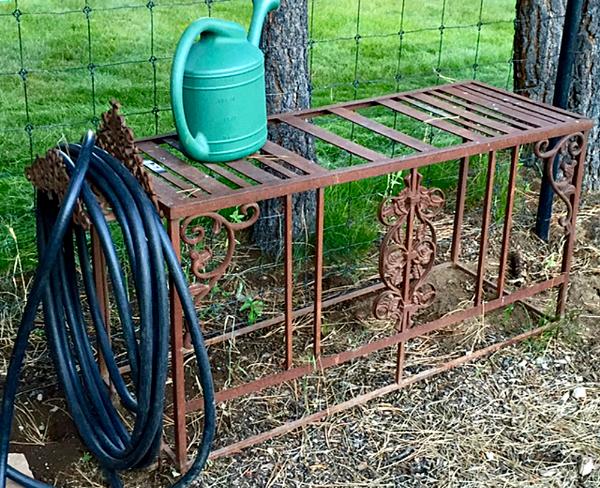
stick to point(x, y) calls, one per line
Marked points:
point(481, 119)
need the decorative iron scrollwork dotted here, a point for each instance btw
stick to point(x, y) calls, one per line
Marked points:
point(48, 173)
point(200, 257)
point(407, 251)
point(568, 149)
point(117, 139)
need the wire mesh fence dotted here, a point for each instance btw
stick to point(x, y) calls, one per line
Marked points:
point(64, 61)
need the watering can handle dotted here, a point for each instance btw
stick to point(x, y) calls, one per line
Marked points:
point(196, 146)
point(259, 14)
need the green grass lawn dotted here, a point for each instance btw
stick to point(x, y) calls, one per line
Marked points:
point(360, 48)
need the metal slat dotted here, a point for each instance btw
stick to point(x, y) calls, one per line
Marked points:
point(549, 109)
point(450, 116)
point(173, 141)
point(252, 172)
point(471, 102)
point(291, 158)
point(184, 186)
point(167, 195)
point(381, 129)
point(503, 107)
point(270, 162)
point(426, 118)
point(448, 107)
point(525, 103)
point(182, 168)
point(221, 170)
point(331, 138)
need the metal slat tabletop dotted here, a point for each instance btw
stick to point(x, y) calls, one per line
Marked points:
point(477, 117)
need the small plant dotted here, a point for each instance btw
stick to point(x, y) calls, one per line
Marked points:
point(236, 216)
point(86, 457)
point(254, 309)
point(539, 344)
point(507, 314)
point(250, 304)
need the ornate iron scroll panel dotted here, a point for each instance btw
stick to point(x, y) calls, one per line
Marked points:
point(407, 251)
point(48, 173)
point(568, 149)
point(193, 235)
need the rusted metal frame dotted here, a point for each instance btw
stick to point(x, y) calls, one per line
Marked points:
point(508, 218)
point(101, 284)
point(330, 302)
point(202, 180)
point(334, 139)
point(383, 130)
point(291, 158)
point(473, 106)
point(485, 227)
point(252, 172)
point(440, 123)
point(318, 300)
point(177, 359)
point(372, 395)
point(328, 361)
point(457, 120)
point(504, 105)
point(378, 168)
point(459, 212)
point(467, 114)
point(288, 243)
point(546, 108)
point(489, 105)
point(494, 286)
point(358, 104)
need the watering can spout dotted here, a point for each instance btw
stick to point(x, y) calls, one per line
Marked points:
point(260, 11)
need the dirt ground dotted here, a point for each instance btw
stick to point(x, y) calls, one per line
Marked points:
point(527, 416)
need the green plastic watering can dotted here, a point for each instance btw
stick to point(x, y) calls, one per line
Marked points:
point(218, 88)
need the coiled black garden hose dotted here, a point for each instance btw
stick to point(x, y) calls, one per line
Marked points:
point(62, 248)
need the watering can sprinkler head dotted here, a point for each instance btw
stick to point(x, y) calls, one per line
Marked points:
point(259, 14)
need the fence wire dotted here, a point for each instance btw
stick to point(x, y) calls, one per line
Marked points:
point(80, 106)
point(63, 61)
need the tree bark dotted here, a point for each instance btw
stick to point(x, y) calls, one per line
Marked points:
point(285, 44)
point(538, 33)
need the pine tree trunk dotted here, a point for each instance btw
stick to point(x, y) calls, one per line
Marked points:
point(538, 32)
point(285, 44)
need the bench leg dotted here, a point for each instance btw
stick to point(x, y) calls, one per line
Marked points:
point(177, 367)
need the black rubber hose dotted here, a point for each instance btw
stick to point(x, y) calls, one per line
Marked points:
point(62, 250)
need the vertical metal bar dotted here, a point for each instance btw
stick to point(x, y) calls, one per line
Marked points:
point(177, 366)
point(101, 283)
point(508, 216)
point(485, 227)
point(289, 283)
point(570, 244)
point(319, 271)
point(406, 285)
point(461, 194)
